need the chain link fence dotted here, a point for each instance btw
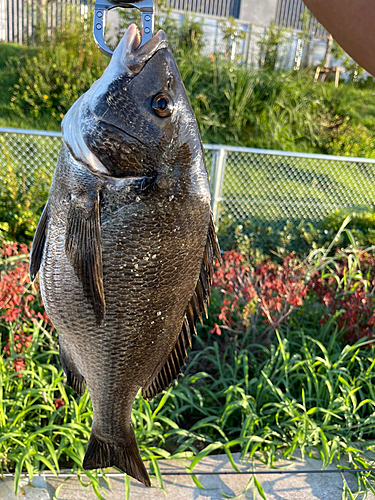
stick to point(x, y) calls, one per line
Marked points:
point(264, 187)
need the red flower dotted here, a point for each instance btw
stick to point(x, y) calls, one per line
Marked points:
point(59, 402)
point(19, 304)
point(19, 365)
point(216, 329)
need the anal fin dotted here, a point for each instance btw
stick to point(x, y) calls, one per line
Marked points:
point(198, 303)
point(73, 378)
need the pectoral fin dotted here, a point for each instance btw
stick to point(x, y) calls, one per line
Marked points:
point(83, 249)
point(39, 241)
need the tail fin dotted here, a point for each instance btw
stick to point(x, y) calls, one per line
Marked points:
point(101, 454)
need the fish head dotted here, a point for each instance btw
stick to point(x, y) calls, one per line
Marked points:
point(136, 120)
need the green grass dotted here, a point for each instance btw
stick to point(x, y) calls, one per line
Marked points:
point(306, 392)
point(297, 188)
point(304, 389)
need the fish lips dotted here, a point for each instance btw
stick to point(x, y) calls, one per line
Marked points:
point(128, 61)
point(132, 55)
point(136, 57)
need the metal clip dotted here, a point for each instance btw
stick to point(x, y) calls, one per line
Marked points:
point(100, 20)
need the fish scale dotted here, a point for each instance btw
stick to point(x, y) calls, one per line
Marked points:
point(126, 242)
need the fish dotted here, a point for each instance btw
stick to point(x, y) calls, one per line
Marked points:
point(126, 244)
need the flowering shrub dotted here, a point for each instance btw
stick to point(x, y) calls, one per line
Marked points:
point(347, 289)
point(20, 305)
point(267, 293)
point(260, 299)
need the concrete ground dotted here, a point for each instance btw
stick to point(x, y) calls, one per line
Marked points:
point(286, 486)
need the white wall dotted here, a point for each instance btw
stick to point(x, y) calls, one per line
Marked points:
point(260, 12)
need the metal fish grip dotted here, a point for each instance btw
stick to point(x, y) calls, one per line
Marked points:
point(100, 20)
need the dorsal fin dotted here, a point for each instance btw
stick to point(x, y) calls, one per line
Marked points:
point(198, 303)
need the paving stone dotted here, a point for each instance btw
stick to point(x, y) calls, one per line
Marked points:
point(288, 486)
point(37, 489)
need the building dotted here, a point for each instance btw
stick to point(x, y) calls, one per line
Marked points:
point(218, 8)
point(18, 18)
point(286, 13)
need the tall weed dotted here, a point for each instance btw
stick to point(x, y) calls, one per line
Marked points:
point(306, 389)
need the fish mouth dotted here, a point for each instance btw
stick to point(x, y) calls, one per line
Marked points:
point(134, 55)
point(128, 59)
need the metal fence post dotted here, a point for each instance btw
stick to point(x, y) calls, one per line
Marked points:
point(218, 182)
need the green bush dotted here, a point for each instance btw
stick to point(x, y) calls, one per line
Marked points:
point(61, 71)
point(271, 45)
point(12, 56)
point(259, 239)
point(352, 140)
point(360, 228)
point(306, 389)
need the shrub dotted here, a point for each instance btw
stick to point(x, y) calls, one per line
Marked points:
point(12, 56)
point(305, 390)
point(346, 286)
point(65, 67)
point(257, 300)
point(20, 305)
point(360, 228)
point(271, 47)
point(259, 240)
point(352, 140)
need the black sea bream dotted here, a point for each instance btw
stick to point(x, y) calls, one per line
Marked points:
point(126, 242)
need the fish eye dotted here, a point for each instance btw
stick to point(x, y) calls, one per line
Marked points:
point(162, 104)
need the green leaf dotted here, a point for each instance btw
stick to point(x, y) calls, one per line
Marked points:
point(127, 487)
point(157, 472)
point(209, 449)
point(18, 470)
point(196, 482)
point(163, 400)
point(46, 462)
point(242, 493)
point(259, 488)
point(230, 456)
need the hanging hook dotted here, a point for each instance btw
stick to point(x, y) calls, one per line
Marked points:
point(100, 20)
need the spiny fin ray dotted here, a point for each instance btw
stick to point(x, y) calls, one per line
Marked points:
point(37, 249)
